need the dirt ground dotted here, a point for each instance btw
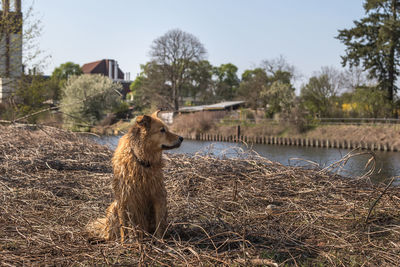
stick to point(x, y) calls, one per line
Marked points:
point(228, 212)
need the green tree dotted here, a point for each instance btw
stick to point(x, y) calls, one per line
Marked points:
point(60, 76)
point(253, 82)
point(269, 86)
point(151, 87)
point(227, 81)
point(87, 99)
point(320, 95)
point(199, 81)
point(66, 70)
point(32, 94)
point(134, 96)
point(173, 54)
point(374, 42)
point(370, 102)
point(279, 97)
point(317, 94)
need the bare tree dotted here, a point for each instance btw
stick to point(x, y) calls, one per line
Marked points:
point(319, 95)
point(356, 77)
point(279, 64)
point(335, 78)
point(174, 52)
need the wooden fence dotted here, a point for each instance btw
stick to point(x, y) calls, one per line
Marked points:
point(304, 142)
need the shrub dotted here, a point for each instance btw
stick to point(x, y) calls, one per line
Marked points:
point(250, 116)
point(34, 93)
point(122, 110)
point(87, 99)
point(371, 102)
point(299, 118)
point(7, 112)
point(198, 122)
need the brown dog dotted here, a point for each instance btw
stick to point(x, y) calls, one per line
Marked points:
point(140, 195)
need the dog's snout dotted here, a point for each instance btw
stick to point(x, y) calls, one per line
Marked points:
point(180, 139)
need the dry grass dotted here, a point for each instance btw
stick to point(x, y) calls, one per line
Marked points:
point(221, 211)
point(189, 125)
point(214, 122)
point(197, 122)
point(367, 133)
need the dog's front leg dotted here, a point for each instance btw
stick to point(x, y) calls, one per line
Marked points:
point(122, 223)
point(160, 216)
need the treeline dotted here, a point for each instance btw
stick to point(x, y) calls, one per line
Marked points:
point(179, 75)
point(67, 98)
point(178, 71)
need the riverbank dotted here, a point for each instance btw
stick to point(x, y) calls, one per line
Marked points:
point(383, 166)
point(372, 137)
point(221, 211)
point(385, 137)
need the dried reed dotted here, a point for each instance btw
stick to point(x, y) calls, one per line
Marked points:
point(221, 211)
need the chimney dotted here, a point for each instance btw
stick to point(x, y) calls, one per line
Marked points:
point(110, 68)
point(115, 70)
point(17, 5)
point(6, 6)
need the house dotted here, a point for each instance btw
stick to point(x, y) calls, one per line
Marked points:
point(227, 105)
point(168, 116)
point(109, 68)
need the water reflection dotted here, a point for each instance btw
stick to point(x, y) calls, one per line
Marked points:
point(387, 163)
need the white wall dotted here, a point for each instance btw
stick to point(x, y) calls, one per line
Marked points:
point(7, 84)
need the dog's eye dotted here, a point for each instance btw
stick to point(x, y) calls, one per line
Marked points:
point(162, 130)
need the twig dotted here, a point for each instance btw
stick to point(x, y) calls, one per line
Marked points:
point(376, 201)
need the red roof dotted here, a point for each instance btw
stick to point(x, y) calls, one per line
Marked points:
point(101, 67)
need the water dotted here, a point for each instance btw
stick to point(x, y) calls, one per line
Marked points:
point(387, 163)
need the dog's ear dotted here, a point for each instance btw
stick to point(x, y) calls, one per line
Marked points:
point(155, 114)
point(144, 121)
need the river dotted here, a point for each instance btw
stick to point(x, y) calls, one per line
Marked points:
point(387, 163)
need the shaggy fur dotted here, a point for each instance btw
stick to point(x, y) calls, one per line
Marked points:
point(140, 196)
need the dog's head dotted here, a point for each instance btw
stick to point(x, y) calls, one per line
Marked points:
point(157, 134)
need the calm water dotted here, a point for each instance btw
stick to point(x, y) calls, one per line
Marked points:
point(387, 163)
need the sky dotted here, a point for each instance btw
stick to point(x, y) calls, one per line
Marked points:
point(232, 31)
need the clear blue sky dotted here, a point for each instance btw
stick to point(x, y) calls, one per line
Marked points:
point(237, 31)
